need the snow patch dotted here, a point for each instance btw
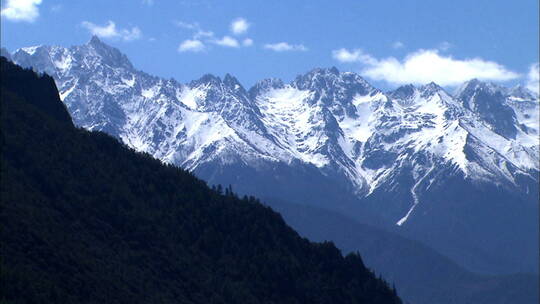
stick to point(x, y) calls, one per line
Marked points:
point(31, 50)
point(128, 82)
point(150, 92)
point(191, 97)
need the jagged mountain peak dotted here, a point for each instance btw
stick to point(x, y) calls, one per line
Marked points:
point(30, 50)
point(469, 88)
point(328, 76)
point(323, 71)
point(489, 102)
point(471, 83)
point(95, 41)
point(431, 89)
point(473, 87)
point(316, 76)
point(404, 94)
point(228, 81)
point(57, 60)
point(206, 79)
point(409, 89)
point(333, 88)
point(109, 55)
point(265, 85)
point(410, 95)
point(216, 93)
point(404, 90)
point(431, 86)
point(233, 83)
point(520, 92)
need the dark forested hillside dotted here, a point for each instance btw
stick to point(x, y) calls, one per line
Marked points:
point(87, 220)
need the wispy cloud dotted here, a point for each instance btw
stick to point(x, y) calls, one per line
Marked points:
point(111, 31)
point(424, 66)
point(227, 41)
point(239, 26)
point(344, 55)
point(198, 32)
point(398, 45)
point(186, 25)
point(202, 38)
point(21, 10)
point(445, 46)
point(247, 42)
point(533, 78)
point(285, 47)
point(189, 45)
point(148, 2)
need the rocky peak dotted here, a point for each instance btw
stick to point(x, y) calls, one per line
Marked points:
point(467, 90)
point(233, 84)
point(264, 86)
point(520, 92)
point(488, 101)
point(430, 89)
point(404, 95)
point(108, 54)
point(206, 79)
point(316, 78)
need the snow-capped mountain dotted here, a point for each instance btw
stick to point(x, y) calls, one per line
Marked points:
point(327, 138)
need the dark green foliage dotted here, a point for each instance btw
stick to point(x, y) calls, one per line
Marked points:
point(87, 220)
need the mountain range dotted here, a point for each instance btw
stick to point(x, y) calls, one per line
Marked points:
point(457, 171)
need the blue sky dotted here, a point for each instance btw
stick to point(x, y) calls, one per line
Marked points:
point(389, 42)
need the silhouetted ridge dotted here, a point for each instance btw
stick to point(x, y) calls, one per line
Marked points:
point(38, 90)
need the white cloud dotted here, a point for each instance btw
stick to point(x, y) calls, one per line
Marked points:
point(187, 25)
point(424, 66)
point(284, 47)
point(148, 2)
point(247, 42)
point(201, 38)
point(191, 46)
point(198, 32)
point(533, 78)
point(110, 31)
point(344, 55)
point(129, 35)
point(203, 34)
point(21, 10)
point(398, 45)
point(227, 42)
point(239, 26)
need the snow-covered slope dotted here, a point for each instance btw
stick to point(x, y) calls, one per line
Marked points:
point(394, 147)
